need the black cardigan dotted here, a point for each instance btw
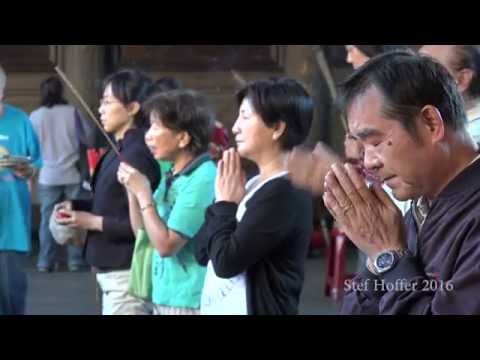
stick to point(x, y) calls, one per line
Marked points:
point(112, 249)
point(270, 244)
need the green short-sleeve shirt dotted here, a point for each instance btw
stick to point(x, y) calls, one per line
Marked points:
point(178, 280)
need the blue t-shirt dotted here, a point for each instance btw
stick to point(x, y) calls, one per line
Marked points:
point(17, 137)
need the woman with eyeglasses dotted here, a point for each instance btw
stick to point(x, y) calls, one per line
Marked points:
point(180, 132)
point(110, 239)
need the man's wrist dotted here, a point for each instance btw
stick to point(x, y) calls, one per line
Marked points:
point(386, 261)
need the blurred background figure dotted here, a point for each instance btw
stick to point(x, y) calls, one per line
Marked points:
point(59, 179)
point(357, 55)
point(18, 138)
point(168, 83)
point(463, 63)
point(220, 141)
point(92, 147)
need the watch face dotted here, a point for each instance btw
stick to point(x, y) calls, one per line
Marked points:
point(385, 261)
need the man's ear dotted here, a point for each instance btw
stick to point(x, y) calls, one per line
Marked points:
point(464, 78)
point(133, 108)
point(431, 124)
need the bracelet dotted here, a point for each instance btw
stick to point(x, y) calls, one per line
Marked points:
point(150, 205)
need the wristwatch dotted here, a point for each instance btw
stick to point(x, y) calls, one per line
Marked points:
point(387, 260)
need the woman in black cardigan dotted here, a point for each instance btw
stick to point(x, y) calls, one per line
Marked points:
point(110, 240)
point(256, 237)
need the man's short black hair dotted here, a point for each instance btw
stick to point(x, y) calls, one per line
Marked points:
point(408, 83)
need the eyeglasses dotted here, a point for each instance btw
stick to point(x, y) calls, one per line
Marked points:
point(104, 102)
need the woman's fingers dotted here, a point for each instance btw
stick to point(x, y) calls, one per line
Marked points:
point(237, 163)
point(221, 168)
point(225, 163)
point(230, 166)
point(231, 162)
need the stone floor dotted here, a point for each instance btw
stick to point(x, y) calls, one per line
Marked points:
point(65, 293)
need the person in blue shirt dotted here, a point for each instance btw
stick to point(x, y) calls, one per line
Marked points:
point(17, 138)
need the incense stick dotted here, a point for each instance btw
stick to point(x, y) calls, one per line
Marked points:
point(87, 109)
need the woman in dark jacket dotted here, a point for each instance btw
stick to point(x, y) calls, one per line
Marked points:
point(110, 240)
point(256, 237)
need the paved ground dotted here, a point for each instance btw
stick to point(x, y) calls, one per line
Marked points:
point(64, 293)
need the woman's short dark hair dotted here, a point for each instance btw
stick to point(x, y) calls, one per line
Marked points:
point(131, 85)
point(281, 99)
point(408, 82)
point(184, 110)
point(51, 92)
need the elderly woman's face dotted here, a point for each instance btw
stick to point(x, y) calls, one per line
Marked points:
point(163, 142)
point(355, 57)
point(252, 135)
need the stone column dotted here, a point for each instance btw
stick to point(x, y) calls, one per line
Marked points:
point(85, 67)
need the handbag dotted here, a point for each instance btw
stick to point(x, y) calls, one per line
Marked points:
point(140, 282)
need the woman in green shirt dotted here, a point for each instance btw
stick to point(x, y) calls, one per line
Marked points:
point(181, 127)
